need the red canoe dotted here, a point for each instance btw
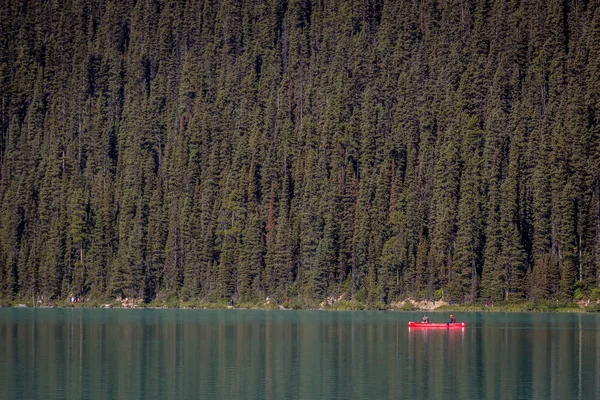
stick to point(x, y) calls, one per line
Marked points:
point(412, 324)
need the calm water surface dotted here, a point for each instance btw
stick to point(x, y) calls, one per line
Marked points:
point(242, 354)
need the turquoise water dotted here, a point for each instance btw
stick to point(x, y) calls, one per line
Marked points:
point(243, 354)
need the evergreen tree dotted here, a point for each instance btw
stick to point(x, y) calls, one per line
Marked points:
point(243, 150)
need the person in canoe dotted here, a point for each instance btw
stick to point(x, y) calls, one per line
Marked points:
point(425, 319)
point(452, 319)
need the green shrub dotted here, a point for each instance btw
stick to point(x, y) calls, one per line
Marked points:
point(554, 305)
point(419, 294)
point(294, 304)
point(298, 303)
point(360, 295)
point(593, 307)
point(247, 304)
point(438, 294)
point(172, 301)
point(408, 306)
point(578, 294)
point(347, 305)
point(378, 305)
point(272, 305)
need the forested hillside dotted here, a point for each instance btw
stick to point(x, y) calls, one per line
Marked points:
point(217, 149)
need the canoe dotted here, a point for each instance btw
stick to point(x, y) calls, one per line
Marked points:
point(412, 324)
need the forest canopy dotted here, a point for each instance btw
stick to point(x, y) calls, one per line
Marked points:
point(238, 149)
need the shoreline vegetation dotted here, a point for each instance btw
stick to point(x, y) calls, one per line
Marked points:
point(329, 304)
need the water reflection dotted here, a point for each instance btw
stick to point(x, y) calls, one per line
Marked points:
point(178, 354)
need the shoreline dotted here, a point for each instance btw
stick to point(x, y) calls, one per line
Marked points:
point(406, 306)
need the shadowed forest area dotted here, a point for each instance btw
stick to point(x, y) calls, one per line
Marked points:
point(300, 149)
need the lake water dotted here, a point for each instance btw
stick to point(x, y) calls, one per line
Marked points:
point(243, 354)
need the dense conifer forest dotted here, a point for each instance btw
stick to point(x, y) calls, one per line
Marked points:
point(299, 149)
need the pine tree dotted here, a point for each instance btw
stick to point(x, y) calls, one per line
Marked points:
point(467, 262)
point(244, 150)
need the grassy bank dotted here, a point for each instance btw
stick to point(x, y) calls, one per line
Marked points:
point(299, 304)
point(525, 307)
